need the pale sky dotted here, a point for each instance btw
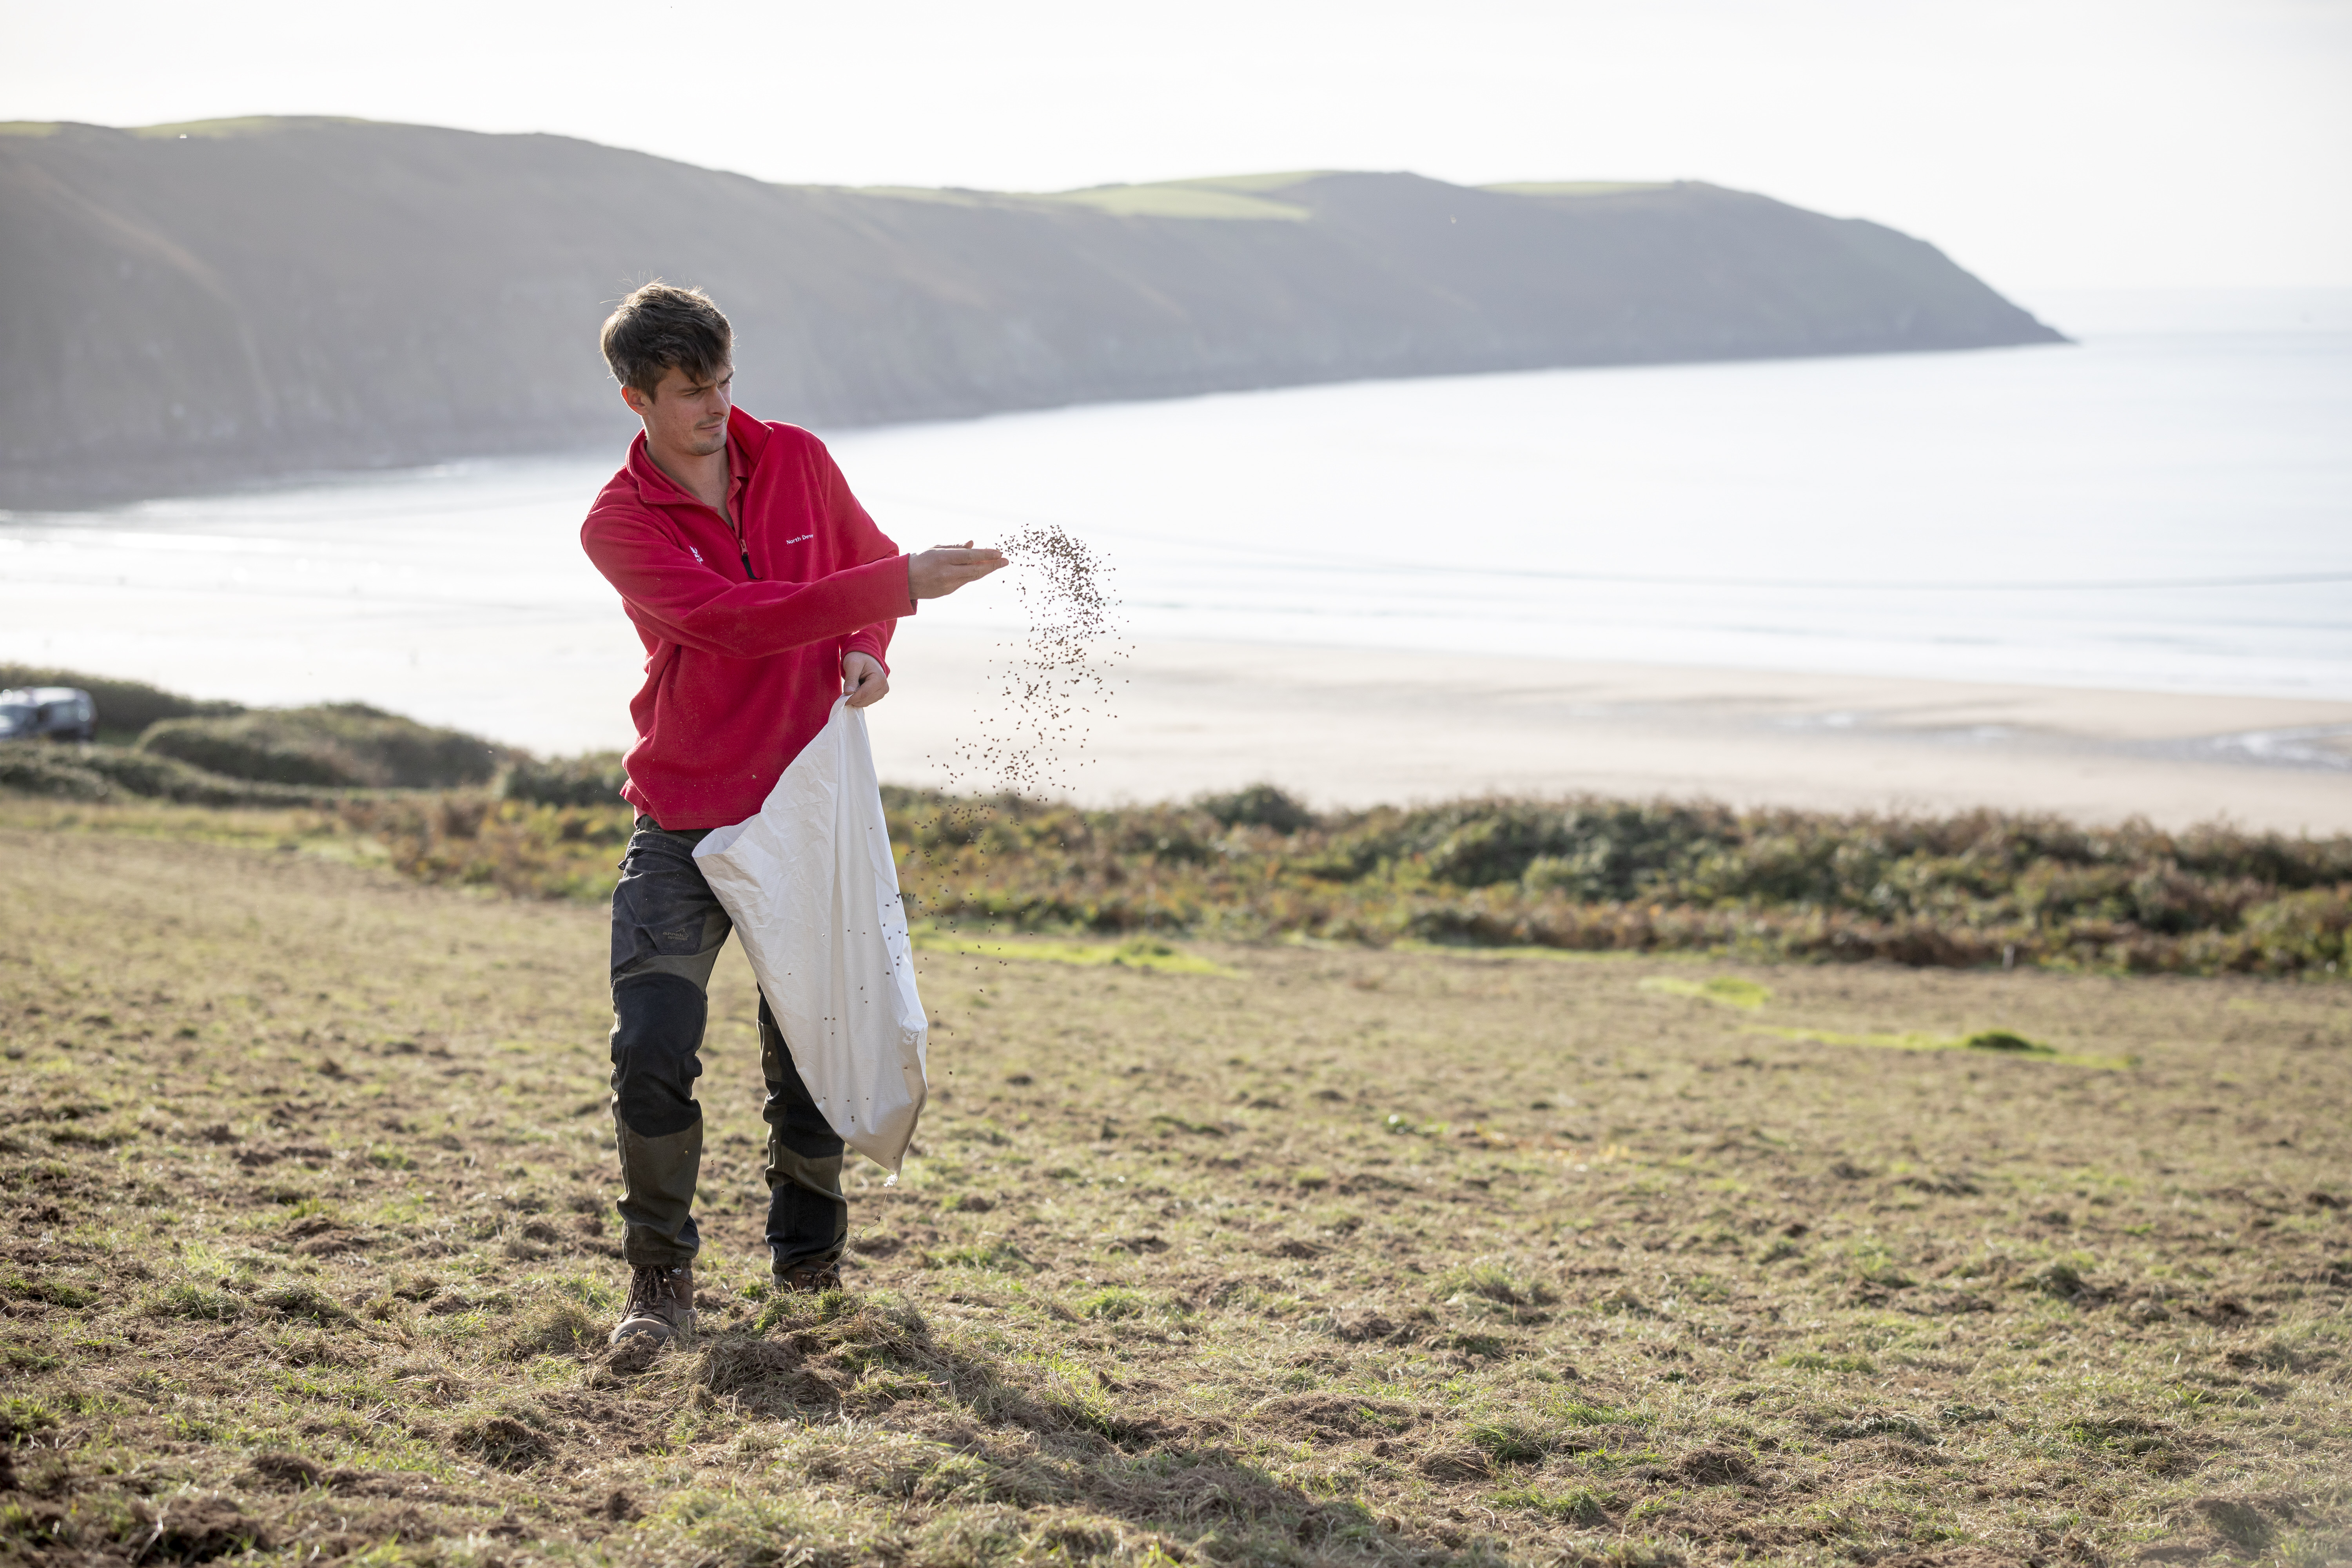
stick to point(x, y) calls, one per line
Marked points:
point(2042, 143)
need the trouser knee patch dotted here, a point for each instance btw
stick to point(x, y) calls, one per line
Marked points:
point(657, 1024)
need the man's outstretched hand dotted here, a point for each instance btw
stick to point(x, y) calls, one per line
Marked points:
point(864, 679)
point(933, 574)
point(936, 574)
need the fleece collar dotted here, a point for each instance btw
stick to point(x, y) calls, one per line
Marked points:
point(746, 440)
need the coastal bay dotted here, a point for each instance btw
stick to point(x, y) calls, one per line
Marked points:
point(1855, 584)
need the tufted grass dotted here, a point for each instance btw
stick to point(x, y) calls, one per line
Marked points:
point(1315, 1255)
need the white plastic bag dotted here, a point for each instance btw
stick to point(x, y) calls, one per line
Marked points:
point(813, 888)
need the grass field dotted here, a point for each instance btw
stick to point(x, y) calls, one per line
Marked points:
point(1288, 1254)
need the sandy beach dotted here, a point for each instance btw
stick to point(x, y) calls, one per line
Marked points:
point(1348, 727)
point(1651, 547)
point(1354, 726)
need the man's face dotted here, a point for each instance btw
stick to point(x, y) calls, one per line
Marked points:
point(685, 414)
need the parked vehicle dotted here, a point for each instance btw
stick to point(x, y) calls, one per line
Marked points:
point(51, 712)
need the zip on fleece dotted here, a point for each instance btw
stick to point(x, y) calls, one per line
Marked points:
point(741, 672)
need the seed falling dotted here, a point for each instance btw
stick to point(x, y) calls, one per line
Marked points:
point(1054, 685)
point(1051, 687)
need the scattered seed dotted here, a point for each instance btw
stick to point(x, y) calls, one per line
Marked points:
point(1054, 684)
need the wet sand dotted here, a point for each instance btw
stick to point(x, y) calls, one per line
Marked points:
point(1358, 728)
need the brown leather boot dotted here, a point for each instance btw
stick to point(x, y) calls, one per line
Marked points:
point(661, 1303)
point(811, 1277)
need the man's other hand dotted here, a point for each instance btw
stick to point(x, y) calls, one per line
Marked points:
point(937, 573)
point(864, 679)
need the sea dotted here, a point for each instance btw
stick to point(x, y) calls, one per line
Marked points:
point(2166, 504)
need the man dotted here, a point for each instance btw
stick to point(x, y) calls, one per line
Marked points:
point(762, 591)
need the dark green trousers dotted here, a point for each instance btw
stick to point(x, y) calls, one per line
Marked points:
point(667, 929)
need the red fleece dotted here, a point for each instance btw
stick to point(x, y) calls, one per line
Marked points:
point(741, 667)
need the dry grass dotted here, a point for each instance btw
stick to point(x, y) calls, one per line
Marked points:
point(1341, 1255)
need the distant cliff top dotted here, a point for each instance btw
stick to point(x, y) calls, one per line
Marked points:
point(187, 305)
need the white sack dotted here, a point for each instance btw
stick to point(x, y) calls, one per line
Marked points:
point(814, 892)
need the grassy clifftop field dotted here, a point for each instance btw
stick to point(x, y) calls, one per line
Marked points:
point(1222, 1252)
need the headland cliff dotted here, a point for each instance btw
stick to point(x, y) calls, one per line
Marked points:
point(207, 304)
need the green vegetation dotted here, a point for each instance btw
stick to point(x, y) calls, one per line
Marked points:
point(1139, 953)
point(1574, 187)
point(312, 1253)
point(1182, 199)
point(1580, 875)
point(237, 125)
point(594, 779)
point(1724, 990)
point(117, 772)
point(162, 745)
point(125, 708)
point(1239, 197)
point(1597, 874)
point(340, 745)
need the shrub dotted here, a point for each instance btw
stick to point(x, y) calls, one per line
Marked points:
point(1589, 849)
point(593, 778)
point(118, 772)
point(340, 745)
point(124, 707)
point(1498, 847)
point(1595, 875)
point(160, 777)
point(1258, 806)
point(2301, 931)
point(49, 771)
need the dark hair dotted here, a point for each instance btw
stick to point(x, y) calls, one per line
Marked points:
point(660, 326)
